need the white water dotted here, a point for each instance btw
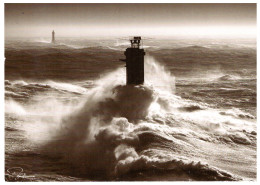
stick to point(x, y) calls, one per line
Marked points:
point(107, 128)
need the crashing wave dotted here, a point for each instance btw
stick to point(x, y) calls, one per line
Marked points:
point(116, 130)
point(228, 77)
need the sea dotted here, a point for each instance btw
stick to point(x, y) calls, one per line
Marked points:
point(69, 115)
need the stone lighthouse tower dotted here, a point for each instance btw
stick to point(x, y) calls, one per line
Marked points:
point(53, 37)
point(134, 62)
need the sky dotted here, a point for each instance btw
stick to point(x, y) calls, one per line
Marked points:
point(110, 20)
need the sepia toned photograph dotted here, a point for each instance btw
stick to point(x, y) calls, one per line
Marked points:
point(130, 92)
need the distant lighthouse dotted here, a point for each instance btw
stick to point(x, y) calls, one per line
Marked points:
point(134, 62)
point(53, 37)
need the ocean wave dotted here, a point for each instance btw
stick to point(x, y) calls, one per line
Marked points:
point(47, 85)
point(237, 113)
point(115, 130)
point(195, 170)
point(190, 108)
point(107, 134)
point(229, 77)
point(16, 95)
point(11, 129)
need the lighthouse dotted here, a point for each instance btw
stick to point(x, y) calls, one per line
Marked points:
point(53, 37)
point(134, 62)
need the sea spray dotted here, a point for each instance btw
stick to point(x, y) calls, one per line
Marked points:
point(89, 125)
point(157, 76)
point(113, 130)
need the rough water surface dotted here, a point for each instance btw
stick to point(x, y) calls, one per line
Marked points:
point(70, 117)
